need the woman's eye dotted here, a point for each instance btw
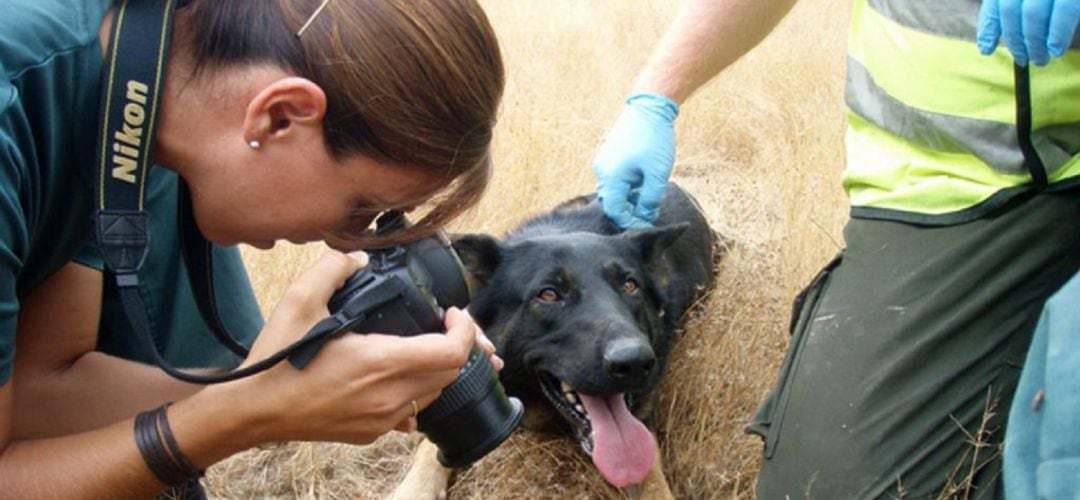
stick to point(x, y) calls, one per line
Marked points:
point(548, 295)
point(630, 286)
point(357, 222)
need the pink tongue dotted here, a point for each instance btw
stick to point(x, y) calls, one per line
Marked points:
point(623, 448)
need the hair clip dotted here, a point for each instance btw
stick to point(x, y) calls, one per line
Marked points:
point(312, 18)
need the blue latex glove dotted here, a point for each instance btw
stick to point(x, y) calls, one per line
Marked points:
point(635, 160)
point(1034, 30)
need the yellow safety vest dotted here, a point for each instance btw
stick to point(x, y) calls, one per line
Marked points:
point(940, 134)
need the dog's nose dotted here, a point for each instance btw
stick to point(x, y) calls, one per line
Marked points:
point(629, 360)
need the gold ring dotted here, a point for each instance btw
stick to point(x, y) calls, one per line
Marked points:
point(415, 409)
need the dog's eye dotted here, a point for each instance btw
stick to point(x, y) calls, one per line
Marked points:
point(630, 286)
point(548, 295)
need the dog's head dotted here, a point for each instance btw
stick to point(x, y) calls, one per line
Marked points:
point(578, 318)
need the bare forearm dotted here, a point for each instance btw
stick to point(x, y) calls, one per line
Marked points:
point(93, 392)
point(99, 464)
point(106, 463)
point(706, 37)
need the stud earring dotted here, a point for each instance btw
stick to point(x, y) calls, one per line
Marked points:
point(254, 145)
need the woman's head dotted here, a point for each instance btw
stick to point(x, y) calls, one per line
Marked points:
point(400, 84)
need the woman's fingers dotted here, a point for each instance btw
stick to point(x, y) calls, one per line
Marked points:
point(319, 282)
point(485, 343)
point(304, 301)
point(429, 352)
point(409, 422)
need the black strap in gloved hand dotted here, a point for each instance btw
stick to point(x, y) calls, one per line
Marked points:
point(1032, 160)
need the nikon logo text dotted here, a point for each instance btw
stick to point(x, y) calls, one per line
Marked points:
point(126, 141)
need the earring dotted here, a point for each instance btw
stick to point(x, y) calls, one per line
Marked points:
point(254, 145)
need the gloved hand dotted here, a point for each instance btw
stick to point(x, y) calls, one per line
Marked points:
point(1034, 30)
point(634, 162)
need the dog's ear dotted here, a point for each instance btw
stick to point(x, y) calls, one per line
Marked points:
point(653, 241)
point(480, 253)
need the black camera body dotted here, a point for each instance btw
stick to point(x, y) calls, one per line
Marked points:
point(427, 276)
point(404, 290)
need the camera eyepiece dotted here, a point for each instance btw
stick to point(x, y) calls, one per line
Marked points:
point(473, 415)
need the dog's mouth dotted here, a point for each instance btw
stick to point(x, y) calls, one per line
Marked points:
point(620, 445)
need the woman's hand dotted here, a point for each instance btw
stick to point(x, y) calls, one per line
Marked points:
point(489, 348)
point(358, 387)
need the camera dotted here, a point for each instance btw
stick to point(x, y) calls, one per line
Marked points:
point(404, 290)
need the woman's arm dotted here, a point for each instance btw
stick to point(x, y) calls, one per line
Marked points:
point(357, 388)
point(68, 411)
point(65, 386)
point(100, 464)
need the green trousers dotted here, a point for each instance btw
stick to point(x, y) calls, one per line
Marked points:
point(906, 351)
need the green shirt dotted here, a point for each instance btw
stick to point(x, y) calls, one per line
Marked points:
point(50, 59)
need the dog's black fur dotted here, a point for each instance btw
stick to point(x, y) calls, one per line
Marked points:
point(568, 298)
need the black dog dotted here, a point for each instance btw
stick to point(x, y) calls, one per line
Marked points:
point(585, 315)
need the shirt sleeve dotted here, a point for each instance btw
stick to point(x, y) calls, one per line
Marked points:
point(90, 256)
point(13, 233)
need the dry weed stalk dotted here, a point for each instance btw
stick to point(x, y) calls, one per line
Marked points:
point(981, 451)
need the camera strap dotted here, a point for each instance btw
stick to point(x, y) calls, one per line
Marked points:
point(133, 79)
point(199, 260)
point(131, 97)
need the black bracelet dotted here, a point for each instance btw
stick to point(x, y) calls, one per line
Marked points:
point(178, 456)
point(145, 439)
point(159, 449)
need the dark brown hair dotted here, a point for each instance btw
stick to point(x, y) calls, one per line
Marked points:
point(410, 82)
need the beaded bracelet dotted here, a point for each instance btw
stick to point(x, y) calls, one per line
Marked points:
point(159, 448)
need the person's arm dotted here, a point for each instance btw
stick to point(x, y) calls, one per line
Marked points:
point(357, 388)
point(100, 464)
point(65, 386)
point(634, 162)
point(706, 37)
point(61, 390)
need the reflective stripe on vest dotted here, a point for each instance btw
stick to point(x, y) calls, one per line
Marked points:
point(933, 124)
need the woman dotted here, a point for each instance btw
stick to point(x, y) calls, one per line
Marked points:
point(288, 119)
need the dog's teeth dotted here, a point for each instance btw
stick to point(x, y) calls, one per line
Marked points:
point(580, 409)
point(571, 397)
point(565, 387)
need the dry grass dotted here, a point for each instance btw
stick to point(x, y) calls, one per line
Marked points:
point(760, 147)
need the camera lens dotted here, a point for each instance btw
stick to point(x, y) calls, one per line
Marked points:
point(403, 291)
point(472, 416)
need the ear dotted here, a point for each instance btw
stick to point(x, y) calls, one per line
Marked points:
point(280, 107)
point(652, 242)
point(480, 253)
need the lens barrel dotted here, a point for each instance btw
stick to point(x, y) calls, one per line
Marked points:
point(472, 416)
